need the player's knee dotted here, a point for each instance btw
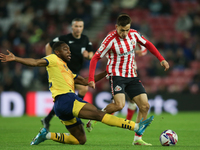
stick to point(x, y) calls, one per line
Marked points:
point(82, 141)
point(145, 107)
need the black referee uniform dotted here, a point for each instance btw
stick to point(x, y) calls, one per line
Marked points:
point(77, 46)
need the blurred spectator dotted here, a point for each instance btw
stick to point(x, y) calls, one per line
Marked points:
point(180, 61)
point(184, 22)
point(144, 4)
point(172, 44)
point(195, 29)
point(166, 7)
point(195, 85)
point(155, 7)
point(115, 11)
point(145, 28)
point(128, 4)
point(97, 8)
point(3, 9)
point(57, 6)
point(135, 23)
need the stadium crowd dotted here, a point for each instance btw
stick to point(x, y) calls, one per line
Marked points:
point(27, 25)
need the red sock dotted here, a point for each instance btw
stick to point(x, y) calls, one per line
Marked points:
point(130, 114)
point(138, 135)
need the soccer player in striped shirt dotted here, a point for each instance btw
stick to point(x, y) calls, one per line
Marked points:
point(119, 47)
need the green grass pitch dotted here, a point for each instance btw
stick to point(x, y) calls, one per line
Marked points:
point(17, 133)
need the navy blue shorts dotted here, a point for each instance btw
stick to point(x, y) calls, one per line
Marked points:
point(67, 107)
point(132, 86)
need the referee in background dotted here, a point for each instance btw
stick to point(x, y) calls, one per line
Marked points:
point(81, 48)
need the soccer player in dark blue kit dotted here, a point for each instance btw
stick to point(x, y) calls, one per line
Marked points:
point(81, 48)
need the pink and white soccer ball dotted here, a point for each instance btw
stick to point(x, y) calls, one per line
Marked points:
point(168, 138)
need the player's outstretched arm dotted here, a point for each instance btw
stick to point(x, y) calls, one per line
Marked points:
point(7, 58)
point(26, 61)
point(84, 81)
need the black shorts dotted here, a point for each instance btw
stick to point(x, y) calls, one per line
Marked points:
point(132, 86)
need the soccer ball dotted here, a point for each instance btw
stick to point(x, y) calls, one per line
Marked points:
point(168, 138)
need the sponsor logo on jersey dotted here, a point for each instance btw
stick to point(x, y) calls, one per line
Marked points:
point(132, 42)
point(71, 42)
point(102, 47)
point(126, 53)
point(118, 88)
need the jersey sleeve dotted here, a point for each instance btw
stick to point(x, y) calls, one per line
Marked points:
point(103, 49)
point(56, 39)
point(149, 46)
point(143, 49)
point(89, 46)
point(51, 60)
point(105, 46)
point(75, 76)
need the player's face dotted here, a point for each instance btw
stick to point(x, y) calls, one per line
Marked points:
point(77, 28)
point(65, 53)
point(123, 30)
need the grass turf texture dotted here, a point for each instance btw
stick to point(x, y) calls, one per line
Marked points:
point(17, 133)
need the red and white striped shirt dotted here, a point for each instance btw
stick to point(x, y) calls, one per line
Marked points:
point(120, 54)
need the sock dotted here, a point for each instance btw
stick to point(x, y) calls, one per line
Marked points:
point(118, 122)
point(80, 96)
point(137, 137)
point(50, 115)
point(131, 110)
point(63, 138)
point(130, 114)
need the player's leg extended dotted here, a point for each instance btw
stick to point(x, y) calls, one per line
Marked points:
point(117, 104)
point(82, 90)
point(143, 105)
point(89, 111)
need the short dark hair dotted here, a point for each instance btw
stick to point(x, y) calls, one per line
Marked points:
point(123, 20)
point(57, 45)
point(77, 19)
